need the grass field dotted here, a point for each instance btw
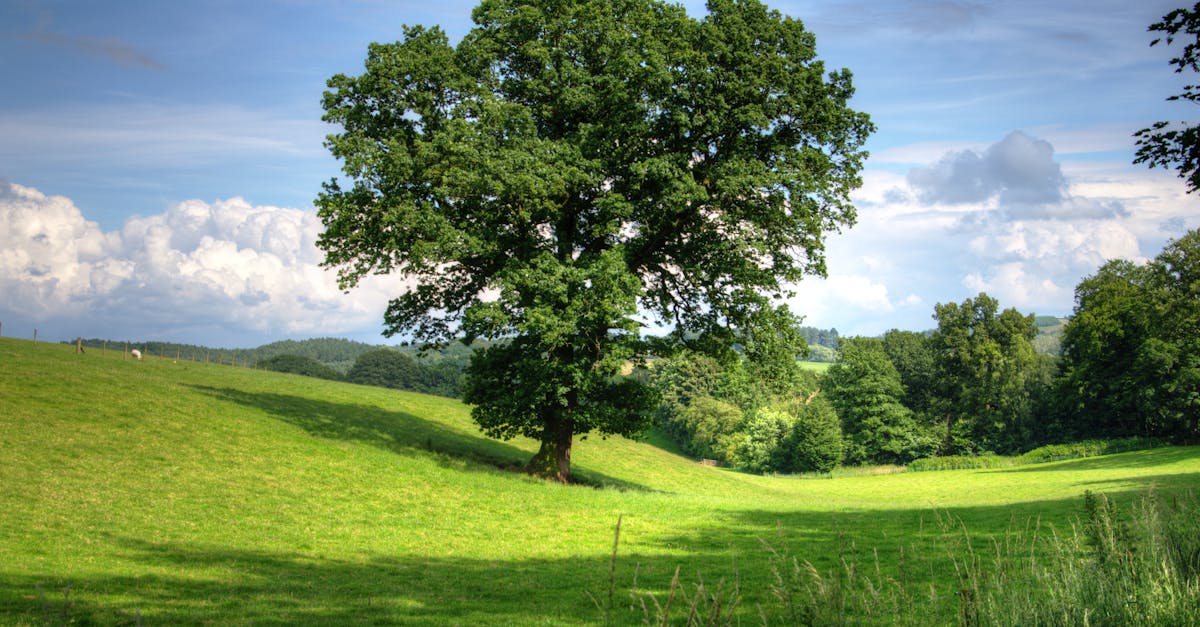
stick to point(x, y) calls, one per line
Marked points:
point(177, 492)
point(816, 366)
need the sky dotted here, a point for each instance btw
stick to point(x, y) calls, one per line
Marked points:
point(159, 160)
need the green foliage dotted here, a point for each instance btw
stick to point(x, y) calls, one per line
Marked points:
point(336, 353)
point(1045, 322)
point(568, 165)
point(297, 364)
point(392, 368)
point(385, 368)
point(1048, 340)
point(865, 389)
point(814, 337)
point(327, 350)
point(1131, 356)
point(1087, 448)
point(708, 428)
point(741, 413)
point(822, 354)
point(986, 379)
point(912, 355)
point(684, 376)
point(962, 462)
point(763, 445)
point(1176, 146)
point(793, 437)
point(1042, 454)
point(815, 444)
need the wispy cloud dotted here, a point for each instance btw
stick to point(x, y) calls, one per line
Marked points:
point(142, 133)
point(109, 48)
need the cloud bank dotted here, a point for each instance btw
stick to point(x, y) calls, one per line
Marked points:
point(1008, 219)
point(209, 273)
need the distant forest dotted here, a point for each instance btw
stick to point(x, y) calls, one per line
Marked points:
point(435, 371)
point(404, 366)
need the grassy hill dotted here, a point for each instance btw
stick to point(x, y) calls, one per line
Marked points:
point(177, 492)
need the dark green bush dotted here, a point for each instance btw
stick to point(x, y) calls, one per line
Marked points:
point(385, 368)
point(1088, 448)
point(297, 364)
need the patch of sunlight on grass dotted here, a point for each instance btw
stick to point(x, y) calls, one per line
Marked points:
point(191, 492)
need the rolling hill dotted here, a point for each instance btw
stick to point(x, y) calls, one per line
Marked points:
point(177, 492)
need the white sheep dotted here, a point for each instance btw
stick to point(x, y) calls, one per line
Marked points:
point(137, 354)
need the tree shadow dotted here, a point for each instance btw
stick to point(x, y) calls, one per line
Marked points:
point(174, 585)
point(399, 432)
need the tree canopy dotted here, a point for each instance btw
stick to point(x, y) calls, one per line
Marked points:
point(572, 167)
point(984, 360)
point(1131, 353)
point(865, 388)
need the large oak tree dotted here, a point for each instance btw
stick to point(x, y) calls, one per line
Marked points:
point(572, 166)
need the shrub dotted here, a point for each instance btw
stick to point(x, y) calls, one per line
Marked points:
point(1088, 448)
point(762, 446)
point(795, 437)
point(385, 368)
point(708, 428)
point(962, 462)
point(297, 364)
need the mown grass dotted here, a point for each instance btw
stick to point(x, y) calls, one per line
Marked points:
point(180, 492)
point(816, 366)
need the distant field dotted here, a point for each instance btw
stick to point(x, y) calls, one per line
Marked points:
point(815, 366)
point(181, 492)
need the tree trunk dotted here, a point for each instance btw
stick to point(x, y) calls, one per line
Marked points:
point(948, 445)
point(553, 459)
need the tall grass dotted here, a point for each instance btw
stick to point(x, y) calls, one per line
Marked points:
point(1132, 564)
point(1121, 565)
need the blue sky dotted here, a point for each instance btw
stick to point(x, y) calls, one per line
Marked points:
point(159, 160)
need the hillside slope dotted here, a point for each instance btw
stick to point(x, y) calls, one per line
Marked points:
point(184, 492)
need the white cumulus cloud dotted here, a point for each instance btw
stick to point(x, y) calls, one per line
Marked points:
point(241, 272)
point(1008, 219)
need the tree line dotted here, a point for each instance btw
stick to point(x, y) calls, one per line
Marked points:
point(382, 367)
point(1130, 366)
point(403, 367)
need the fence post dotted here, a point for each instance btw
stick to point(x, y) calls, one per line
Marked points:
point(35, 337)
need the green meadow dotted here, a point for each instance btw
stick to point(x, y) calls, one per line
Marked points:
point(168, 491)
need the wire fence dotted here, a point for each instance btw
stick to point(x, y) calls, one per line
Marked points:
point(155, 350)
